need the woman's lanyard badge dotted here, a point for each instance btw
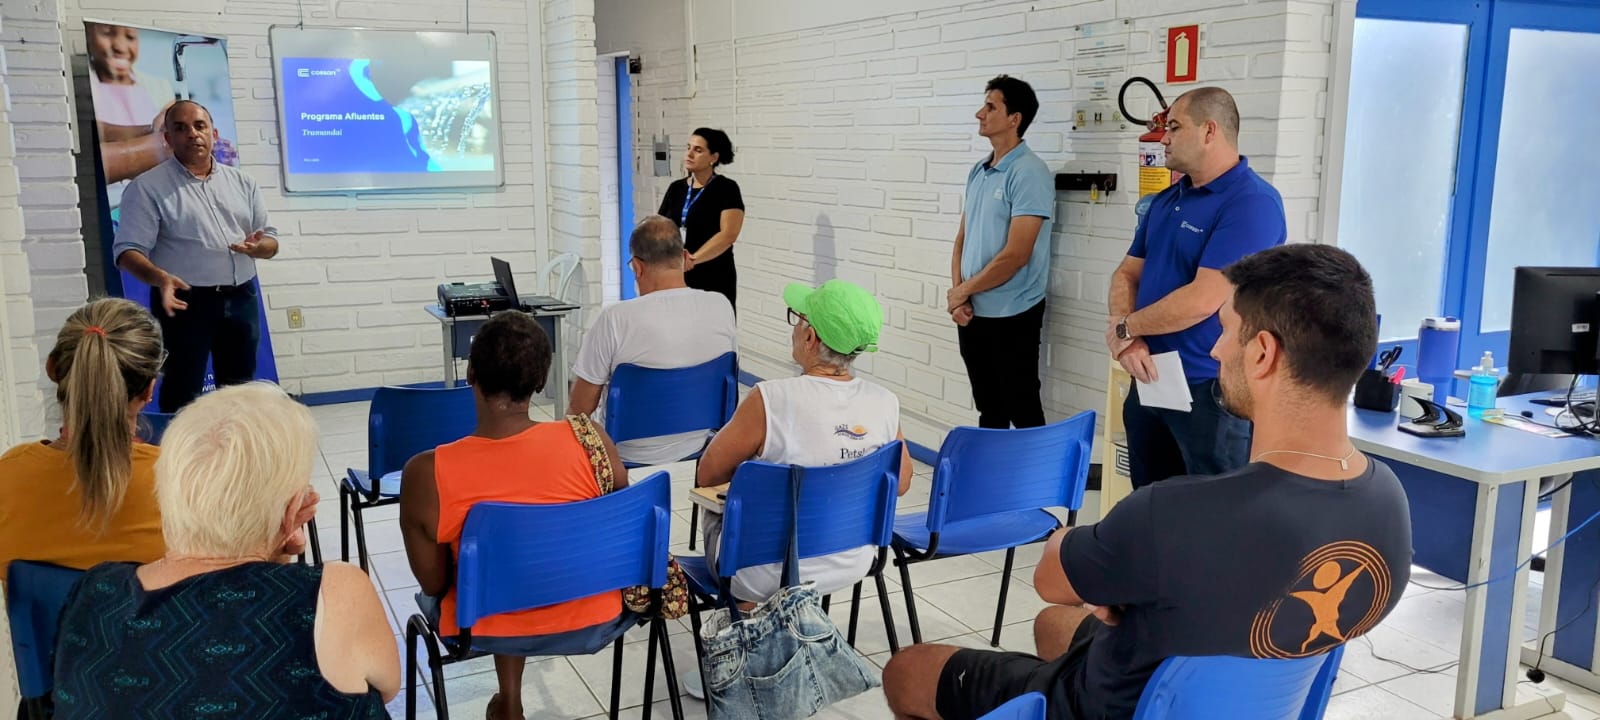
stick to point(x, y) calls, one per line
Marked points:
point(689, 199)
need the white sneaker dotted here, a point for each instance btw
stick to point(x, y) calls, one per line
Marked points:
point(689, 681)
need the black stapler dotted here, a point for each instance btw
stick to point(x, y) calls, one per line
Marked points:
point(1435, 421)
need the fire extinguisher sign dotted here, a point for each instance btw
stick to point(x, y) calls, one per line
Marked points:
point(1183, 53)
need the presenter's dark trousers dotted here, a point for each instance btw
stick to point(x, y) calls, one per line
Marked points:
point(1002, 357)
point(1164, 443)
point(223, 325)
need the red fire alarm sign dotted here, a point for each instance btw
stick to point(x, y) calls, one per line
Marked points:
point(1183, 53)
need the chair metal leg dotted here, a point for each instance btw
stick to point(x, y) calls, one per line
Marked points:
point(888, 614)
point(616, 678)
point(411, 671)
point(670, 665)
point(827, 600)
point(314, 540)
point(855, 613)
point(650, 670)
point(911, 600)
point(694, 629)
point(1000, 609)
point(694, 524)
point(361, 531)
point(344, 523)
point(1072, 518)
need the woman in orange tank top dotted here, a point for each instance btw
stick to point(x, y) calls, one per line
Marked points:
point(508, 458)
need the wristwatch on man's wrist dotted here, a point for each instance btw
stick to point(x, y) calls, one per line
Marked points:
point(1122, 329)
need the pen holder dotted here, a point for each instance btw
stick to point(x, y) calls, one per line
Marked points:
point(1375, 391)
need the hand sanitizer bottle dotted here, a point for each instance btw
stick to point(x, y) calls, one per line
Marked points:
point(1481, 391)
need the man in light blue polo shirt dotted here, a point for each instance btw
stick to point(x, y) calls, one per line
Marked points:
point(192, 229)
point(1001, 263)
point(1166, 293)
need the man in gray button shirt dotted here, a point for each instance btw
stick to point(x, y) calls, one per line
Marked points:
point(192, 229)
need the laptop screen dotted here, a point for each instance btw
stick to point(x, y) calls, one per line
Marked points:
point(502, 274)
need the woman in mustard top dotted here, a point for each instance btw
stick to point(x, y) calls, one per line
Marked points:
point(89, 496)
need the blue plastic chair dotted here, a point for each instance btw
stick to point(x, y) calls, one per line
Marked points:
point(401, 422)
point(841, 507)
point(1240, 688)
point(35, 595)
point(646, 402)
point(515, 557)
point(153, 424)
point(1022, 707)
point(990, 491)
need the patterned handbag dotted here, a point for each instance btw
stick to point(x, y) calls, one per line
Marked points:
point(675, 595)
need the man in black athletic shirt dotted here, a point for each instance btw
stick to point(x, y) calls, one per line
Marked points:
point(1305, 548)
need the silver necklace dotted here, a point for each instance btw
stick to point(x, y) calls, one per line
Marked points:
point(1344, 462)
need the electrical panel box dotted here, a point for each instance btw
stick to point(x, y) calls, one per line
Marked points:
point(661, 151)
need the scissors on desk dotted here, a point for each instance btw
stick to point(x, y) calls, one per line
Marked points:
point(1387, 359)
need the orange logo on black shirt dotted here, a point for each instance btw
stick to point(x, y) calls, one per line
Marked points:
point(1310, 609)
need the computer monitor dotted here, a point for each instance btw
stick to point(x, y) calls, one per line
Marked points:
point(1555, 319)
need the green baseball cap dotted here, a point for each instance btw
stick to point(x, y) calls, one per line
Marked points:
point(846, 317)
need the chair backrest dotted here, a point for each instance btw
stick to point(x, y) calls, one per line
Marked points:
point(515, 557)
point(842, 506)
point(404, 421)
point(153, 424)
point(1029, 706)
point(646, 402)
point(986, 471)
point(1240, 688)
point(35, 595)
point(562, 267)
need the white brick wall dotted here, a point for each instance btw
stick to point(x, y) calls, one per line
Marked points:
point(16, 326)
point(36, 81)
point(572, 133)
point(360, 267)
point(854, 139)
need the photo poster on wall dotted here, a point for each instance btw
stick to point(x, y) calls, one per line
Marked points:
point(135, 74)
point(386, 110)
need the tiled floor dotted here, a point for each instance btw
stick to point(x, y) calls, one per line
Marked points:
point(955, 602)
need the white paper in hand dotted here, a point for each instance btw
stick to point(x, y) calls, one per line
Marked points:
point(1171, 388)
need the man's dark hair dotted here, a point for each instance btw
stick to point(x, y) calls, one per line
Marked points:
point(510, 357)
point(1317, 300)
point(1019, 98)
point(1213, 103)
point(656, 243)
point(717, 143)
point(177, 103)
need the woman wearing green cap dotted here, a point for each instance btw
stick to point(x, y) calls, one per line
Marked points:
point(824, 416)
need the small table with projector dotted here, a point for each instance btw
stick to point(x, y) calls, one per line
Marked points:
point(458, 330)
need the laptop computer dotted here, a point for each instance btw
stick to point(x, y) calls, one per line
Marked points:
point(502, 274)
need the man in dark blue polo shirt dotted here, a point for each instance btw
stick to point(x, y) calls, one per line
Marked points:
point(1166, 293)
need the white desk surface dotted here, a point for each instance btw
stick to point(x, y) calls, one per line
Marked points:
point(1490, 454)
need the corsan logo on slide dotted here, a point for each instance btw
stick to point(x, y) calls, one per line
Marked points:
point(308, 72)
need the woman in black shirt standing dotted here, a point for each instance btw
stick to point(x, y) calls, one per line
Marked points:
point(709, 212)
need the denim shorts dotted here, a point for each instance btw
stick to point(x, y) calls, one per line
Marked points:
point(582, 641)
point(784, 660)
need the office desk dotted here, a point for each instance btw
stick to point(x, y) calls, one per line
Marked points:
point(1472, 503)
point(457, 334)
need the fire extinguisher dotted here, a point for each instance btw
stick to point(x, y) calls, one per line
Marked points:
point(1153, 173)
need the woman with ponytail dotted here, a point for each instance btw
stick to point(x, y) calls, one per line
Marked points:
point(89, 496)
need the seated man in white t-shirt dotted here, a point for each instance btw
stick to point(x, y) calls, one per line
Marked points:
point(670, 325)
point(826, 416)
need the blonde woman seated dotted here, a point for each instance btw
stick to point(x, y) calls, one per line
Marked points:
point(225, 624)
point(88, 496)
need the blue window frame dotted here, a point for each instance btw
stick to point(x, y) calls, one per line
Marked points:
point(1489, 24)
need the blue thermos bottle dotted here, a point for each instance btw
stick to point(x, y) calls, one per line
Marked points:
point(1438, 341)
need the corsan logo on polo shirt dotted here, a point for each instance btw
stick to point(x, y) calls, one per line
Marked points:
point(1185, 225)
